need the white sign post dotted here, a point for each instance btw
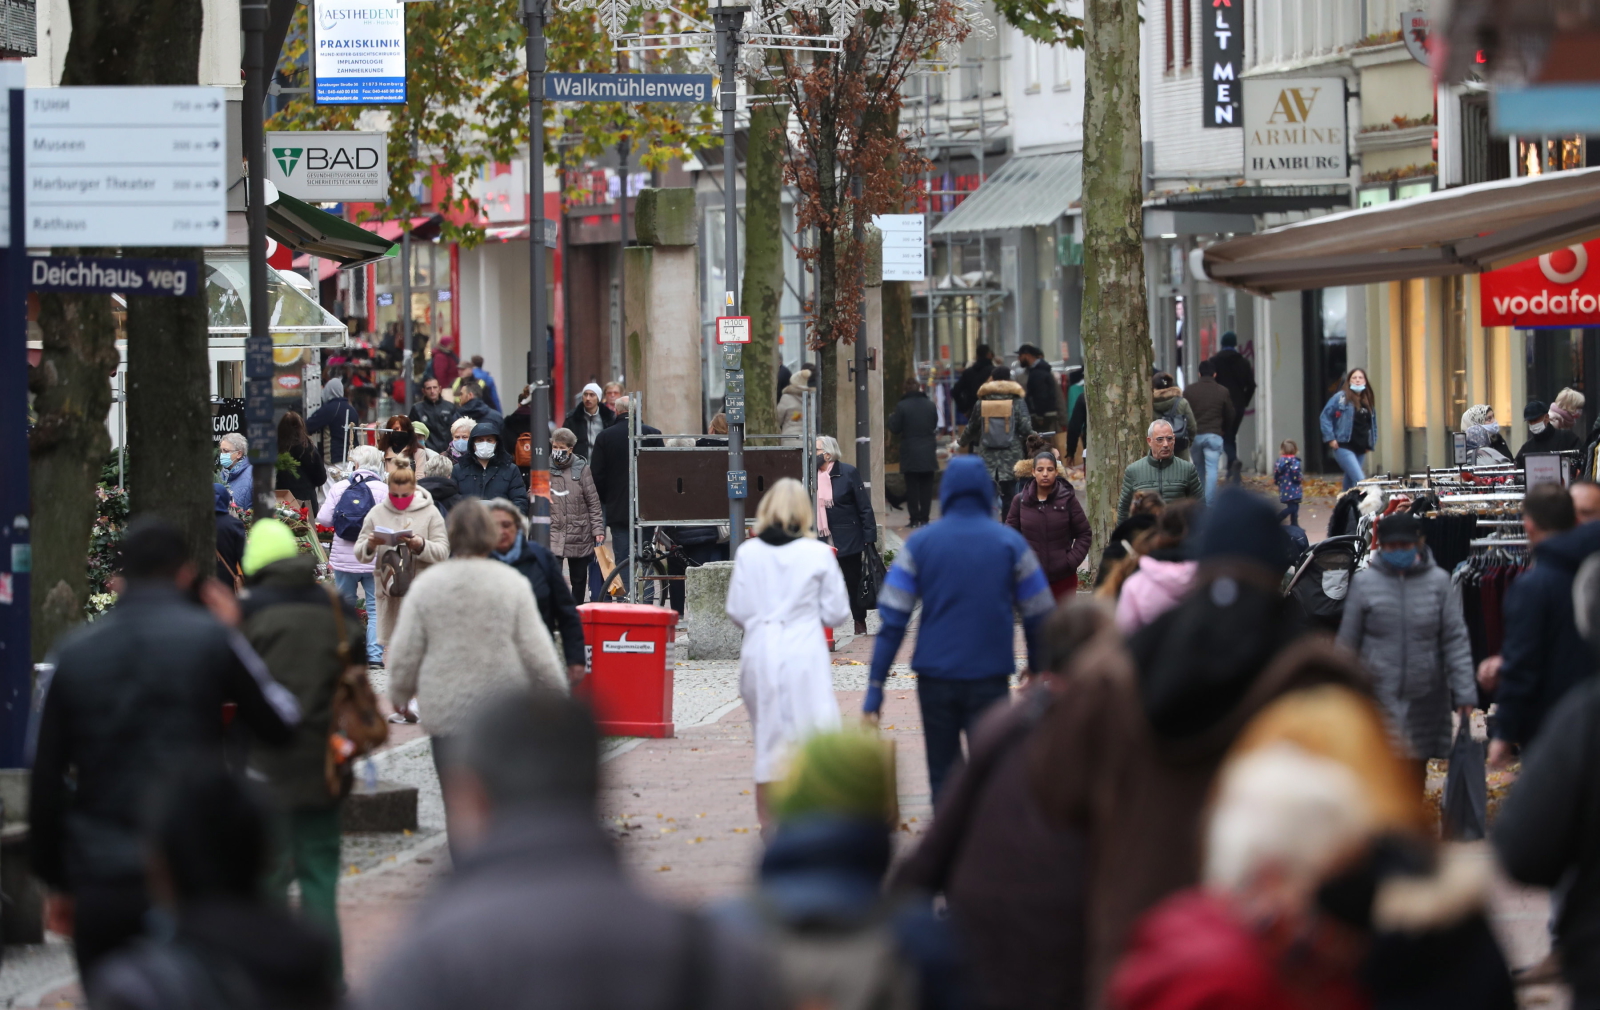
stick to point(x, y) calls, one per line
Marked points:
point(360, 52)
point(12, 77)
point(330, 167)
point(904, 246)
point(126, 166)
point(1295, 128)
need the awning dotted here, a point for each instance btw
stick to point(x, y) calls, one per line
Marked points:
point(294, 318)
point(1252, 199)
point(1464, 230)
point(1029, 191)
point(308, 229)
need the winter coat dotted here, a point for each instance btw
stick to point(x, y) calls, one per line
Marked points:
point(1014, 882)
point(342, 558)
point(1131, 748)
point(445, 367)
point(469, 630)
point(1288, 475)
point(1000, 461)
point(230, 536)
point(335, 415)
point(973, 377)
point(577, 423)
point(1238, 377)
point(1212, 406)
point(1338, 418)
point(420, 517)
point(437, 416)
point(576, 517)
point(556, 606)
point(543, 906)
point(1044, 396)
point(481, 413)
point(1056, 528)
point(1550, 827)
point(791, 410)
point(916, 421)
point(782, 594)
point(610, 463)
point(1551, 439)
point(444, 491)
point(1542, 655)
point(1152, 590)
point(241, 482)
point(851, 523)
point(135, 697)
point(1172, 408)
point(1175, 478)
point(498, 478)
point(289, 621)
point(1408, 629)
point(312, 473)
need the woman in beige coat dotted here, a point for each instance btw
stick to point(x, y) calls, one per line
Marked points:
point(408, 510)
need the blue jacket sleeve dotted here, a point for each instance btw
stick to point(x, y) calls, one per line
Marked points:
point(1328, 410)
point(1523, 655)
point(895, 602)
point(1034, 602)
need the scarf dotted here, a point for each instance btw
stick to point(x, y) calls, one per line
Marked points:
point(1560, 418)
point(824, 498)
point(512, 555)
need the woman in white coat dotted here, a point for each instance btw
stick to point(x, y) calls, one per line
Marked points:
point(786, 586)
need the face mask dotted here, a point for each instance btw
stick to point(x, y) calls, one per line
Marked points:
point(459, 444)
point(483, 450)
point(1536, 429)
point(561, 455)
point(402, 502)
point(1358, 387)
point(226, 459)
point(822, 461)
point(1399, 558)
point(1493, 428)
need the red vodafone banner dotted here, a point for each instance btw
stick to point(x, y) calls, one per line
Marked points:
point(1560, 288)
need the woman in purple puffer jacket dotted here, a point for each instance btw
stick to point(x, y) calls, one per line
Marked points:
point(1047, 514)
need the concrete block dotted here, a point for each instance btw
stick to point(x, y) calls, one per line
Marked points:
point(666, 217)
point(661, 334)
point(388, 807)
point(705, 599)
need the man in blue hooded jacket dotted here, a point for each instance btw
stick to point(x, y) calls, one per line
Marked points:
point(971, 573)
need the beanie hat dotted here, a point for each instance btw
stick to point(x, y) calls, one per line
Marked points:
point(847, 773)
point(270, 540)
point(1401, 526)
point(1230, 339)
point(1535, 410)
point(419, 428)
point(1244, 526)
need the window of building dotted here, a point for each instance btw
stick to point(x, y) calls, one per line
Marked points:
point(1169, 31)
point(1030, 65)
point(1063, 69)
point(1484, 157)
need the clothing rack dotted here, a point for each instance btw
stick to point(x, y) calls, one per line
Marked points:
point(1500, 542)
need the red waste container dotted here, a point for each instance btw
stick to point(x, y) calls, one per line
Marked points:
point(627, 680)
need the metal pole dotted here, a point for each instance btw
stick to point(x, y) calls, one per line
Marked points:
point(407, 331)
point(620, 364)
point(728, 20)
point(16, 655)
point(535, 12)
point(258, 346)
point(863, 407)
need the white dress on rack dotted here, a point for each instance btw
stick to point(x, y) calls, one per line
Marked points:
point(782, 597)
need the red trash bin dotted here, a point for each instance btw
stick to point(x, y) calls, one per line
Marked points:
point(627, 681)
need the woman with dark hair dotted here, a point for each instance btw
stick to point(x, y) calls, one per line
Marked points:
point(308, 473)
point(1047, 514)
point(1350, 425)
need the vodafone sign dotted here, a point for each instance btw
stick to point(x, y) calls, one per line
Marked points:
point(1557, 289)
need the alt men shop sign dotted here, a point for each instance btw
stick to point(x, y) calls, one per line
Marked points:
point(1560, 289)
point(1221, 61)
point(335, 166)
point(1295, 128)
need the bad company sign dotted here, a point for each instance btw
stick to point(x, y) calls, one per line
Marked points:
point(331, 167)
point(1555, 289)
point(1295, 129)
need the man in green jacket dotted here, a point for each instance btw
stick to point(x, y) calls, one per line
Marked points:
point(290, 621)
point(1162, 470)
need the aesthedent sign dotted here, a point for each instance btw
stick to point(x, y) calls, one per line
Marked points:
point(330, 166)
point(1295, 128)
point(360, 48)
point(1558, 289)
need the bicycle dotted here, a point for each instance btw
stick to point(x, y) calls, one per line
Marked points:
point(653, 558)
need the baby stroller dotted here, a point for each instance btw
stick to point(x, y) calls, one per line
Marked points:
point(1321, 579)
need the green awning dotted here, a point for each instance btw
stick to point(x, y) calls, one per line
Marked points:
point(307, 229)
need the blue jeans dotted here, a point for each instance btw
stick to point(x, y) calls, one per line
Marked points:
point(1351, 464)
point(1207, 455)
point(950, 706)
point(348, 582)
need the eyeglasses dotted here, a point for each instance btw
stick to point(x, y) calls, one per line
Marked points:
point(1163, 438)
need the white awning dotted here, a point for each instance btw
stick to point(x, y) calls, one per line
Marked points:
point(1029, 191)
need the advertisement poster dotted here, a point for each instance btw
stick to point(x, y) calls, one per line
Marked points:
point(360, 52)
point(332, 166)
point(1556, 289)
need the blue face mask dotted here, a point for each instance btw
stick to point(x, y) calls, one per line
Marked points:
point(1403, 558)
point(225, 458)
point(458, 444)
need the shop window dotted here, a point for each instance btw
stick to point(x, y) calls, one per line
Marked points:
point(1537, 156)
point(1325, 333)
point(1484, 157)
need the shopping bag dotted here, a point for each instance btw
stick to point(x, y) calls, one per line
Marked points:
point(1466, 789)
point(872, 576)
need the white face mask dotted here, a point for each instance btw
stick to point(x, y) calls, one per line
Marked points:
point(1537, 428)
point(1358, 387)
point(483, 450)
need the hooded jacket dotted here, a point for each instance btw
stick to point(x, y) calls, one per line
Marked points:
point(1044, 392)
point(500, 478)
point(480, 411)
point(971, 575)
point(1056, 529)
point(444, 491)
point(576, 516)
point(1152, 590)
point(336, 415)
point(791, 409)
point(1000, 461)
point(1543, 655)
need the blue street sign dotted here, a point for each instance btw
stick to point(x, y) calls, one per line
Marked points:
point(108, 275)
point(738, 483)
point(627, 87)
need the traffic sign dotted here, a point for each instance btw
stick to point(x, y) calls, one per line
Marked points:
point(627, 87)
point(114, 275)
point(733, 329)
point(903, 246)
point(126, 166)
point(733, 408)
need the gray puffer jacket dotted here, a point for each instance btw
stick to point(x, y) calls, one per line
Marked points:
point(1408, 629)
point(576, 517)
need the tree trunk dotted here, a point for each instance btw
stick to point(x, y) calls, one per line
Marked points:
point(169, 415)
point(899, 355)
point(762, 294)
point(828, 391)
point(66, 449)
point(1116, 339)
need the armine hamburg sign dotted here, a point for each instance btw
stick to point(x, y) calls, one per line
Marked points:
point(1295, 128)
point(1559, 289)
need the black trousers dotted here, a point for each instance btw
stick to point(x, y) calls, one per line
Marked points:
point(919, 497)
point(1008, 491)
point(106, 916)
point(850, 565)
point(578, 575)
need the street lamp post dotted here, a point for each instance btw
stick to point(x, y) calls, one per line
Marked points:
point(728, 21)
point(259, 430)
point(535, 12)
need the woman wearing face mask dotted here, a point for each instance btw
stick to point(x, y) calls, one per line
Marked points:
point(490, 472)
point(577, 522)
point(1482, 415)
point(408, 511)
point(460, 446)
point(1403, 617)
point(1350, 425)
point(845, 520)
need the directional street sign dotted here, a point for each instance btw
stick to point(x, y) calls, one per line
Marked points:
point(115, 275)
point(627, 87)
point(903, 246)
point(126, 166)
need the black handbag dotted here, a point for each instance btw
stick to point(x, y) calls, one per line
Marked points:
point(1466, 789)
point(873, 574)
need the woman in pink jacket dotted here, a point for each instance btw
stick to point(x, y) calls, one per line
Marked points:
point(1164, 575)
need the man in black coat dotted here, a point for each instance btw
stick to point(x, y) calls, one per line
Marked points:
point(1236, 374)
point(588, 419)
point(335, 416)
point(1043, 391)
point(916, 420)
point(965, 393)
point(490, 472)
point(470, 403)
point(435, 412)
point(230, 537)
point(609, 466)
point(136, 697)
